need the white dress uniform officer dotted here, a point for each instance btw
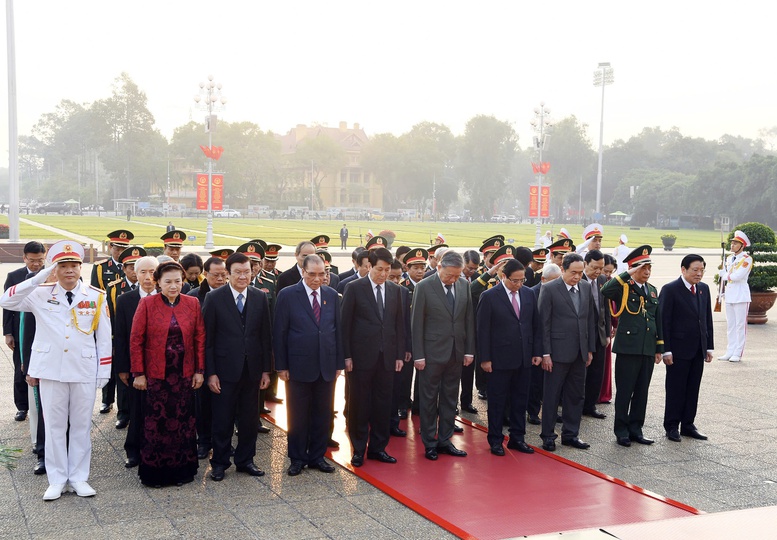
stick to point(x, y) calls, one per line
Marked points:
point(737, 294)
point(71, 358)
point(592, 236)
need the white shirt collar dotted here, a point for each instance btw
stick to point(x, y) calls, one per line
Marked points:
point(143, 293)
point(235, 293)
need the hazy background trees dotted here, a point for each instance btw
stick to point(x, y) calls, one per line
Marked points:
point(95, 152)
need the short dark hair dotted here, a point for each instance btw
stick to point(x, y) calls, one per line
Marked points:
point(363, 254)
point(312, 259)
point(512, 265)
point(594, 255)
point(355, 252)
point(570, 258)
point(471, 256)
point(396, 265)
point(524, 255)
point(191, 259)
point(298, 249)
point(34, 247)
point(691, 258)
point(165, 267)
point(380, 254)
point(609, 259)
point(211, 261)
point(401, 250)
point(235, 258)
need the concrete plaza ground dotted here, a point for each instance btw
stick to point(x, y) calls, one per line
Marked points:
point(736, 468)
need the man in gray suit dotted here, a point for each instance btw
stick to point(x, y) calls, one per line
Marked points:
point(443, 329)
point(569, 339)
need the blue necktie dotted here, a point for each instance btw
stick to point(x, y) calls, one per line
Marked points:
point(240, 302)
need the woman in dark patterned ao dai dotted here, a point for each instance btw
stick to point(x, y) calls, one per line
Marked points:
point(167, 348)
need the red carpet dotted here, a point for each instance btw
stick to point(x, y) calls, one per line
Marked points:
point(485, 496)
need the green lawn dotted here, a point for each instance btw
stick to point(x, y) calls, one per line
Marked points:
point(231, 232)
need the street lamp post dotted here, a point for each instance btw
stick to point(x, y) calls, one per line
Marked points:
point(211, 91)
point(603, 76)
point(540, 124)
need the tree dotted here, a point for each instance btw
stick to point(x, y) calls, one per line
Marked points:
point(322, 156)
point(486, 154)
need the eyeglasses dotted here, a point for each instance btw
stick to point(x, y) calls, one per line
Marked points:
point(516, 281)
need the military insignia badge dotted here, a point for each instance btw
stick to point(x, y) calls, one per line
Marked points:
point(177, 236)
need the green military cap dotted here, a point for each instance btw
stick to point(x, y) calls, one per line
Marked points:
point(173, 238)
point(252, 250)
point(640, 255)
point(222, 253)
point(416, 256)
point(376, 242)
point(433, 248)
point(540, 255)
point(321, 241)
point(131, 254)
point(564, 245)
point(260, 242)
point(271, 252)
point(121, 237)
point(492, 244)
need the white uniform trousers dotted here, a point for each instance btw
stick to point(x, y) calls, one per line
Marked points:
point(33, 414)
point(63, 402)
point(736, 321)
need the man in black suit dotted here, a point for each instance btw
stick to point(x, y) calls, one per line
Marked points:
point(569, 339)
point(309, 357)
point(126, 306)
point(362, 269)
point(686, 315)
point(594, 264)
point(238, 356)
point(509, 339)
point(34, 257)
point(374, 348)
point(294, 274)
point(348, 273)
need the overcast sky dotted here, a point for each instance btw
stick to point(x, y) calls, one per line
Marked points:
point(705, 67)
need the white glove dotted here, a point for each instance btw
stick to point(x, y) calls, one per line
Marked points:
point(101, 382)
point(42, 275)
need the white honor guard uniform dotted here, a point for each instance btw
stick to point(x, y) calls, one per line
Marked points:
point(620, 253)
point(71, 357)
point(589, 233)
point(737, 294)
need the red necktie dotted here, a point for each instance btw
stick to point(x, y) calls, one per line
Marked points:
point(693, 289)
point(515, 304)
point(316, 307)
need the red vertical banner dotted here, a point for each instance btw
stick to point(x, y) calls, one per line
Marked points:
point(534, 201)
point(545, 202)
point(202, 191)
point(218, 192)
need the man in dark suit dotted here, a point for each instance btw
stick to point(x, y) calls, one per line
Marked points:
point(294, 274)
point(594, 264)
point(34, 257)
point(509, 340)
point(443, 326)
point(348, 273)
point(237, 364)
point(569, 339)
point(374, 348)
point(126, 306)
point(361, 270)
point(308, 349)
point(400, 393)
point(686, 313)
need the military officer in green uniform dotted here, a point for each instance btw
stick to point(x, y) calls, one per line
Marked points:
point(126, 283)
point(487, 278)
point(270, 281)
point(639, 343)
point(558, 249)
point(416, 260)
point(270, 260)
point(222, 253)
point(104, 272)
point(173, 243)
point(322, 243)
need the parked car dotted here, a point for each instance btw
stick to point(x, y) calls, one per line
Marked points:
point(498, 218)
point(227, 213)
point(151, 212)
point(56, 207)
point(453, 217)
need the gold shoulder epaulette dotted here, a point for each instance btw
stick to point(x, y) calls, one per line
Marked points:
point(114, 282)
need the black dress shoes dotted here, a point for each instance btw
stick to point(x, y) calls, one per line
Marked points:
point(469, 408)
point(396, 432)
point(383, 457)
point(262, 429)
point(641, 439)
point(331, 443)
point(458, 429)
point(595, 414)
point(521, 446)
point(498, 450)
point(624, 441)
point(265, 410)
point(482, 395)
point(451, 451)
point(105, 408)
point(202, 452)
point(250, 468)
point(295, 468)
point(534, 420)
point(122, 423)
point(357, 460)
point(576, 443)
point(131, 462)
point(273, 399)
point(559, 419)
point(693, 433)
point(20, 416)
point(40, 467)
point(217, 474)
point(431, 453)
point(549, 445)
point(322, 466)
point(674, 435)
point(402, 414)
